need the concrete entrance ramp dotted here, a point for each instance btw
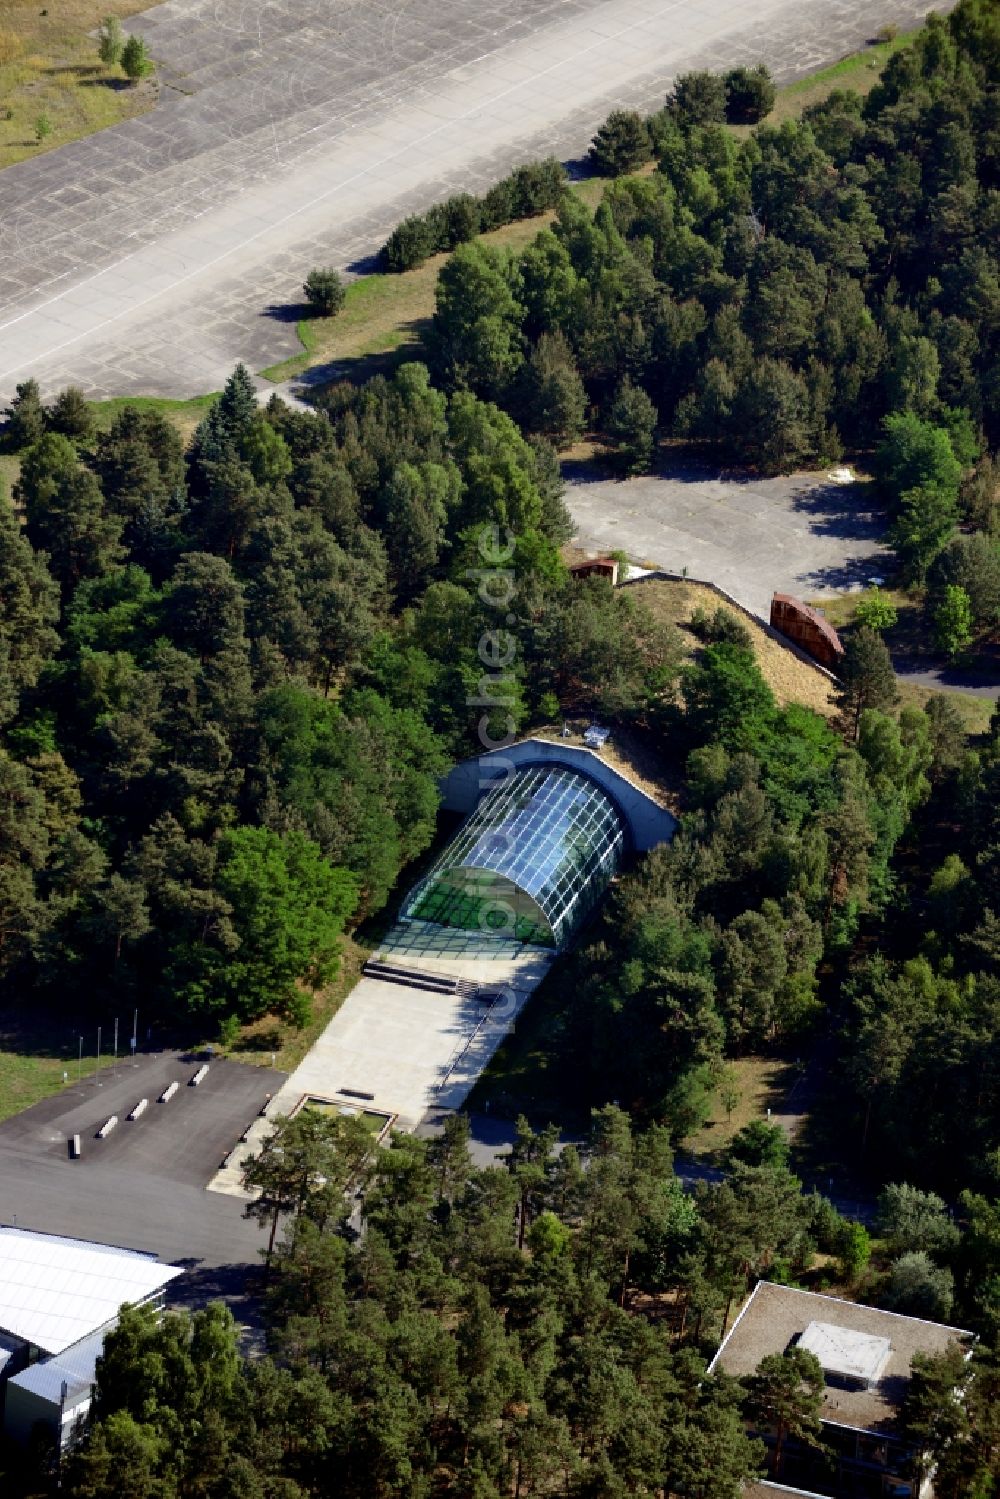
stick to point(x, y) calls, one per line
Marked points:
point(403, 1048)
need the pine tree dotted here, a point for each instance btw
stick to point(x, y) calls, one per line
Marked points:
point(630, 426)
point(867, 677)
point(71, 415)
point(555, 400)
point(324, 291)
point(110, 41)
point(135, 60)
point(786, 1396)
point(621, 145)
point(25, 416)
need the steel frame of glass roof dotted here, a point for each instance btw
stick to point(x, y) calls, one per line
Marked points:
point(531, 860)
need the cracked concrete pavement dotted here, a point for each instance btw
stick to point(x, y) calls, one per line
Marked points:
point(798, 533)
point(150, 257)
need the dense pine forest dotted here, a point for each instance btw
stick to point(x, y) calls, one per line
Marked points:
point(232, 677)
point(232, 673)
point(425, 1348)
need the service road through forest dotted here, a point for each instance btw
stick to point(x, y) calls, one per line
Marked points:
point(151, 257)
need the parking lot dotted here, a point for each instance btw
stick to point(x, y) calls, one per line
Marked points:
point(798, 534)
point(142, 1187)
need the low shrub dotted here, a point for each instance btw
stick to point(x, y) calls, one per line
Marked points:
point(722, 626)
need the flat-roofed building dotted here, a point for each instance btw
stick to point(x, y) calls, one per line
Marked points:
point(856, 1360)
point(866, 1356)
point(58, 1299)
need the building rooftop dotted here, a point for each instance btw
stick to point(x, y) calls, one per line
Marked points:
point(614, 769)
point(858, 1358)
point(76, 1368)
point(780, 1317)
point(56, 1291)
point(537, 852)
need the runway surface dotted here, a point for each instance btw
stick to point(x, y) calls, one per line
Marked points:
point(150, 257)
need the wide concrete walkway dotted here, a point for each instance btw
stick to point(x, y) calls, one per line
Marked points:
point(150, 257)
point(402, 1050)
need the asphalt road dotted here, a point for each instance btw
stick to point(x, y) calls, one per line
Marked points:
point(491, 1140)
point(150, 257)
point(144, 1186)
point(984, 684)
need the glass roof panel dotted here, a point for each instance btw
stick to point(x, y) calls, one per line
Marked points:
point(531, 860)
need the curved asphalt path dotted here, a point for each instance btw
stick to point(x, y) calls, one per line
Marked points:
point(946, 679)
point(150, 257)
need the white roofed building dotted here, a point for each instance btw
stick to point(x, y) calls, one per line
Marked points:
point(58, 1299)
point(846, 1356)
point(865, 1355)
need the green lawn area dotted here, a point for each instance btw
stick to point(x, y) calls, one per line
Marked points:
point(912, 636)
point(975, 711)
point(185, 415)
point(35, 1051)
point(839, 608)
point(49, 65)
point(759, 1084)
point(859, 72)
point(383, 314)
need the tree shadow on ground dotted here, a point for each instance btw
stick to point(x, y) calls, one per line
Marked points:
point(579, 168)
point(240, 1286)
point(982, 673)
point(288, 312)
point(827, 1150)
point(909, 639)
point(854, 574)
point(584, 471)
point(361, 367)
point(116, 85)
point(842, 510)
point(266, 1040)
point(365, 265)
point(676, 464)
point(201, 1282)
point(52, 1033)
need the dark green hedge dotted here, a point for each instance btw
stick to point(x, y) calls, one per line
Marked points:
point(529, 190)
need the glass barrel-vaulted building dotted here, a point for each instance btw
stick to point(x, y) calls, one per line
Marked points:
point(531, 860)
